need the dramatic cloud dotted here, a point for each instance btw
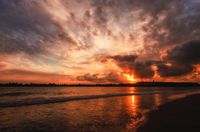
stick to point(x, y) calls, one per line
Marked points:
point(182, 60)
point(126, 62)
point(165, 19)
point(99, 78)
point(100, 40)
point(187, 53)
point(27, 28)
point(172, 21)
point(24, 27)
point(129, 63)
point(174, 70)
point(144, 69)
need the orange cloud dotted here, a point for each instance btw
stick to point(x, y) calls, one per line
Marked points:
point(25, 76)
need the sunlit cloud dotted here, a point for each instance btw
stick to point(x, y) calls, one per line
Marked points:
point(100, 41)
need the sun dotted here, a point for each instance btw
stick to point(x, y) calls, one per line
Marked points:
point(130, 77)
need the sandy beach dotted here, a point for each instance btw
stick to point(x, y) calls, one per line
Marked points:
point(182, 115)
point(83, 109)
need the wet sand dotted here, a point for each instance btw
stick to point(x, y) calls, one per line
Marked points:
point(182, 115)
point(78, 109)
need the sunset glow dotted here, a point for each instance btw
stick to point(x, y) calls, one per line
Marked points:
point(92, 41)
point(130, 78)
point(99, 65)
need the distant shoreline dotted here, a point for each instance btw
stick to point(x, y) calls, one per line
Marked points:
point(139, 84)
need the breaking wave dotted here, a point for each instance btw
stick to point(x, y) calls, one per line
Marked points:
point(40, 100)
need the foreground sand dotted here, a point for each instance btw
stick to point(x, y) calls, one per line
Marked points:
point(182, 115)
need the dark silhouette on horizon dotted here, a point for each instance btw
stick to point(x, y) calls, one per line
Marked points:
point(138, 84)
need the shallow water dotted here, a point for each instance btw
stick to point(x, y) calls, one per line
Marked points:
point(81, 108)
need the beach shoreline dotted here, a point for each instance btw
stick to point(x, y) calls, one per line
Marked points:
point(179, 115)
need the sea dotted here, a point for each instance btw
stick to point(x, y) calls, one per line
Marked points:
point(82, 109)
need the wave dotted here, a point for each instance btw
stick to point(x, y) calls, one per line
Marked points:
point(38, 101)
point(16, 94)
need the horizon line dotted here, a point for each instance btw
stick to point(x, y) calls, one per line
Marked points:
point(106, 84)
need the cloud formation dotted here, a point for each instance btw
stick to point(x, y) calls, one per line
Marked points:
point(24, 27)
point(182, 59)
point(179, 61)
point(101, 78)
point(99, 40)
point(131, 64)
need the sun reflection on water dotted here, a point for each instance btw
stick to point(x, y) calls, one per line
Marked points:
point(133, 100)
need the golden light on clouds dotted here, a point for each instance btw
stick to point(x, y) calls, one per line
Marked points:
point(100, 41)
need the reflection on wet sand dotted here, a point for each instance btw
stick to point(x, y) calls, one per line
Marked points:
point(137, 106)
point(121, 113)
point(107, 114)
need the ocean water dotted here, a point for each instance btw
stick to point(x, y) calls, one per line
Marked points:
point(74, 109)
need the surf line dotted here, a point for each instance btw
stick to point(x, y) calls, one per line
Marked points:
point(39, 101)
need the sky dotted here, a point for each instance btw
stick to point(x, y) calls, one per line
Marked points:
point(99, 41)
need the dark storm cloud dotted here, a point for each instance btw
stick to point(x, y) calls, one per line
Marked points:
point(188, 53)
point(21, 27)
point(126, 62)
point(172, 21)
point(182, 59)
point(26, 28)
point(97, 78)
point(141, 69)
point(174, 70)
point(88, 77)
